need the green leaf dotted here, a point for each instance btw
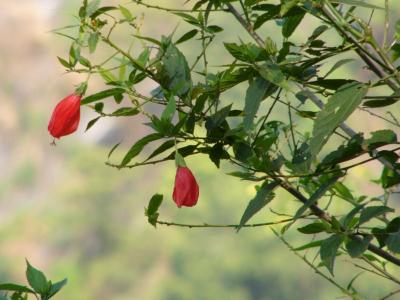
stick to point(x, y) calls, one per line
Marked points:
point(332, 84)
point(19, 296)
point(149, 39)
point(350, 285)
point(263, 197)
point(125, 111)
point(37, 280)
point(337, 65)
point(118, 98)
point(397, 30)
point(163, 147)
point(243, 151)
point(254, 95)
point(358, 246)
point(243, 175)
point(312, 244)
point(329, 249)
point(84, 61)
point(101, 11)
point(154, 204)
point(15, 288)
point(138, 78)
point(314, 228)
point(371, 212)
point(74, 54)
point(287, 5)
point(92, 41)
point(151, 211)
point(343, 191)
point(272, 12)
point(347, 221)
point(174, 72)
point(390, 177)
point(92, 7)
point(380, 102)
point(101, 95)
point(380, 138)
point(218, 118)
point(396, 49)
point(113, 149)
point(337, 110)
point(344, 153)
point(187, 36)
point(247, 52)
point(290, 23)
point(169, 110)
point(272, 73)
point(98, 107)
point(188, 18)
point(359, 3)
point(143, 57)
point(91, 123)
point(381, 235)
point(138, 147)
point(56, 287)
point(64, 62)
point(126, 13)
point(320, 192)
point(214, 29)
point(107, 75)
point(393, 242)
point(218, 152)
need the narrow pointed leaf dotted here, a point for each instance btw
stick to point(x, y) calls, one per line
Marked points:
point(329, 249)
point(339, 107)
point(263, 197)
point(372, 212)
point(15, 288)
point(320, 192)
point(254, 95)
point(138, 147)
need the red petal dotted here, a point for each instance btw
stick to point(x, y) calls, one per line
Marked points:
point(65, 117)
point(186, 189)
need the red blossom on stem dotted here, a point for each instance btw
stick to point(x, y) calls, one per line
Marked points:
point(66, 116)
point(186, 189)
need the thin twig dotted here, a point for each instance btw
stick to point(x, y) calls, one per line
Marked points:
point(206, 225)
point(390, 294)
point(316, 270)
point(168, 9)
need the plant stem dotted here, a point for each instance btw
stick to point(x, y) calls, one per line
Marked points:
point(206, 225)
point(303, 258)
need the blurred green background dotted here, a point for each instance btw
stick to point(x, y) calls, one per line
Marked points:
point(72, 216)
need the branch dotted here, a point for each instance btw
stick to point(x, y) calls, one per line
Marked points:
point(303, 258)
point(205, 225)
point(249, 28)
point(173, 9)
point(390, 295)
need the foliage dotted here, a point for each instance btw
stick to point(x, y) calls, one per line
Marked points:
point(195, 114)
point(40, 287)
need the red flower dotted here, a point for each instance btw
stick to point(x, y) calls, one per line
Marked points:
point(66, 116)
point(186, 190)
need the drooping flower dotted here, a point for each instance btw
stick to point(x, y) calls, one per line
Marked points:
point(186, 189)
point(66, 116)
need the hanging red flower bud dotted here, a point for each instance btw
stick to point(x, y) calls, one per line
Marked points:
point(186, 189)
point(66, 116)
